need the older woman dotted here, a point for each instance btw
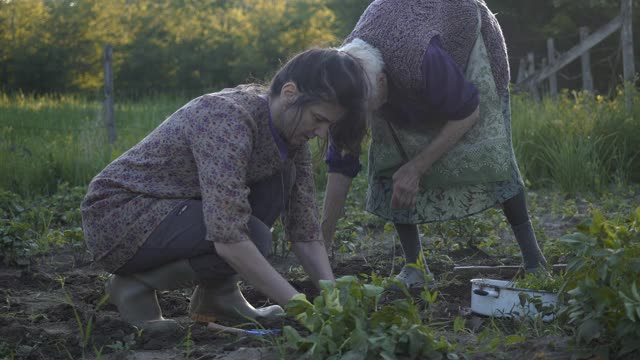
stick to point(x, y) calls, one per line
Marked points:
point(441, 143)
point(194, 201)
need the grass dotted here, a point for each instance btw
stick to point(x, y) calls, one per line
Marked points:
point(49, 140)
point(582, 143)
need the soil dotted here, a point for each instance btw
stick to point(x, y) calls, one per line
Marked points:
point(53, 309)
point(38, 320)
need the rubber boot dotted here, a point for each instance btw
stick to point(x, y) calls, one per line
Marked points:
point(224, 301)
point(135, 295)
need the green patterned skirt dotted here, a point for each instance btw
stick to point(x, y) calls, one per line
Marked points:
point(478, 173)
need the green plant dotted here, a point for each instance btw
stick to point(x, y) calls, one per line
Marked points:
point(85, 330)
point(534, 281)
point(187, 343)
point(16, 242)
point(602, 284)
point(578, 143)
point(7, 352)
point(33, 226)
point(346, 321)
point(496, 335)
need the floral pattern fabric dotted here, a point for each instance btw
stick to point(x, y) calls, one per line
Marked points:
point(478, 173)
point(210, 149)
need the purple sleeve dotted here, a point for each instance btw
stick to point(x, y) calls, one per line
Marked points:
point(448, 93)
point(347, 164)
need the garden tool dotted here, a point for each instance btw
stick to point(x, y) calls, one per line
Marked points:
point(223, 300)
point(233, 330)
point(135, 295)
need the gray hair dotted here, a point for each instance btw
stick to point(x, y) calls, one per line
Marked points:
point(370, 60)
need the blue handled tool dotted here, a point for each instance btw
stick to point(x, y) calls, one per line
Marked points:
point(252, 332)
point(262, 332)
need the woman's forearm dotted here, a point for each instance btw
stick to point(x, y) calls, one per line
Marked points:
point(448, 137)
point(334, 199)
point(313, 257)
point(247, 260)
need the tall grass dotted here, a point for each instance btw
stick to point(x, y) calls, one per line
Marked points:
point(579, 143)
point(48, 140)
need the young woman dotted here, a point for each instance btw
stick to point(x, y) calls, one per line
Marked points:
point(441, 139)
point(194, 201)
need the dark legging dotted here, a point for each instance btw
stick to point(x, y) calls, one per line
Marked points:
point(515, 210)
point(181, 235)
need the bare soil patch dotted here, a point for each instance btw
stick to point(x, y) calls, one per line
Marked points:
point(38, 322)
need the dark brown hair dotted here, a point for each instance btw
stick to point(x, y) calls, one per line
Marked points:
point(332, 76)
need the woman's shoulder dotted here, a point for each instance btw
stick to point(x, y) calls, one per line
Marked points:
point(246, 95)
point(249, 99)
point(244, 102)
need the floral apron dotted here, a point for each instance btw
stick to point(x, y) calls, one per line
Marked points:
point(478, 173)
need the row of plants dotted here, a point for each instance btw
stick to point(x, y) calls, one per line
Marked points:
point(30, 227)
point(599, 308)
point(348, 321)
point(600, 305)
point(603, 285)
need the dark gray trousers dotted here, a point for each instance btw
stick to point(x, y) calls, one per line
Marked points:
point(181, 235)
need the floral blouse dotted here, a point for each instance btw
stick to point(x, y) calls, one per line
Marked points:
point(210, 149)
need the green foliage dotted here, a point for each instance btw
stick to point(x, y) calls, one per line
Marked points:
point(33, 227)
point(7, 351)
point(86, 330)
point(534, 281)
point(582, 143)
point(603, 284)
point(193, 46)
point(160, 46)
point(48, 140)
point(347, 322)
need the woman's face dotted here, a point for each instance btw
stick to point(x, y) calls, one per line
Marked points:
point(301, 125)
point(314, 120)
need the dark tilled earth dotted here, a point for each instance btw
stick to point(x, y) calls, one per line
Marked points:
point(38, 320)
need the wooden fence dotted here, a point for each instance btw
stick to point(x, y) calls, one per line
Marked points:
point(530, 79)
point(109, 114)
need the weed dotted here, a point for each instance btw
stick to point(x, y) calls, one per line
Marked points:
point(31, 227)
point(534, 281)
point(602, 284)
point(187, 343)
point(85, 329)
point(347, 321)
point(7, 352)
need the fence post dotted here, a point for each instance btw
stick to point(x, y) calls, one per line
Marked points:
point(109, 116)
point(585, 60)
point(533, 88)
point(522, 70)
point(626, 35)
point(553, 79)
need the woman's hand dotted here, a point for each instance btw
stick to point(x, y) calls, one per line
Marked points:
point(313, 258)
point(406, 184)
point(406, 181)
point(247, 261)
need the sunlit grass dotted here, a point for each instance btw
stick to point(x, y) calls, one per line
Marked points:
point(581, 143)
point(48, 140)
